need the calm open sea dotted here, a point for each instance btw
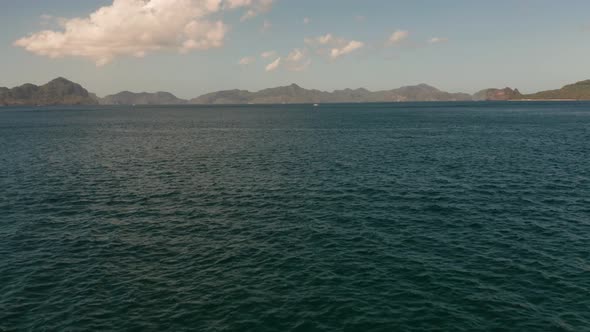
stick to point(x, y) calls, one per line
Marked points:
point(356, 217)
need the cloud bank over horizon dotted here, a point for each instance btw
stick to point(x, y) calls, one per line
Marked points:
point(138, 27)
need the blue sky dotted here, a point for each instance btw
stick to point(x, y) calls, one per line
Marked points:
point(456, 45)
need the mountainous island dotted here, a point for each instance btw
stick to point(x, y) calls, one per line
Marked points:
point(576, 91)
point(61, 91)
point(497, 94)
point(143, 98)
point(295, 94)
point(57, 92)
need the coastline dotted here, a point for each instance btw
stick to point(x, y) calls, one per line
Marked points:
point(306, 103)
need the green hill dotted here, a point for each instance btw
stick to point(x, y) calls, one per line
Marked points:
point(143, 98)
point(57, 92)
point(576, 91)
point(497, 94)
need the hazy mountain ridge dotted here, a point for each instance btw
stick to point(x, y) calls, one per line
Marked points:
point(142, 98)
point(497, 94)
point(421, 92)
point(64, 92)
point(296, 94)
point(577, 91)
point(59, 91)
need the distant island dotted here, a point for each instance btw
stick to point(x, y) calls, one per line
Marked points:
point(61, 91)
point(143, 98)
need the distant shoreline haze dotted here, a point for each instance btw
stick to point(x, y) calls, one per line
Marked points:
point(61, 91)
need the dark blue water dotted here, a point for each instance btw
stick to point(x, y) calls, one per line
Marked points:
point(409, 217)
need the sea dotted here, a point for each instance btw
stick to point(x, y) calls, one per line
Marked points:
point(448, 216)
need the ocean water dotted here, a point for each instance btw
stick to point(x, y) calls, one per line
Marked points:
point(377, 217)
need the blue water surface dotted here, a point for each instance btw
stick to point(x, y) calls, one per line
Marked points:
point(352, 217)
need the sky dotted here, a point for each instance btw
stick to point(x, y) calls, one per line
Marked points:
point(191, 47)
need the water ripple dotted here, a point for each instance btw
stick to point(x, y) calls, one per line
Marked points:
point(355, 218)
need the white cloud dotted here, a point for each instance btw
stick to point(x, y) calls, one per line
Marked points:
point(268, 54)
point(138, 27)
point(256, 7)
point(398, 36)
point(437, 40)
point(321, 40)
point(273, 65)
point(295, 55)
point(325, 39)
point(352, 46)
point(306, 20)
point(297, 60)
point(332, 46)
point(247, 60)
point(237, 3)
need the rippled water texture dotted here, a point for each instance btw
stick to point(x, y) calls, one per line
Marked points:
point(410, 217)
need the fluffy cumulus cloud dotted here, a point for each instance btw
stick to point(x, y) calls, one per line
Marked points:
point(297, 60)
point(332, 46)
point(296, 55)
point(320, 40)
point(273, 65)
point(138, 27)
point(350, 47)
point(398, 36)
